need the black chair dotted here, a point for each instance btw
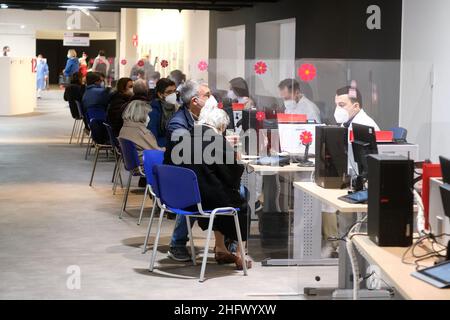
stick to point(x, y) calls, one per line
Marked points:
point(99, 137)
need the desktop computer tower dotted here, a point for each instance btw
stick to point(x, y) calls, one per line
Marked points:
point(390, 200)
point(331, 157)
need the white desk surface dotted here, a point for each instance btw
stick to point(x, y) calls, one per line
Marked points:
point(330, 197)
point(293, 167)
point(389, 260)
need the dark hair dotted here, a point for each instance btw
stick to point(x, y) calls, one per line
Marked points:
point(141, 72)
point(101, 53)
point(346, 90)
point(76, 78)
point(92, 78)
point(5, 47)
point(163, 84)
point(291, 84)
point(177, 76)
point(240, 87)
point(121, 85)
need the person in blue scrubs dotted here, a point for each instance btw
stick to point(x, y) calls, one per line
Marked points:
point(41, 75)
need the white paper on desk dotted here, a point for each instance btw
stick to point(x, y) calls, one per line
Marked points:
point(290, 137)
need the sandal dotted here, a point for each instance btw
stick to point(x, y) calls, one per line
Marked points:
point(225, 257)
point(239, 264)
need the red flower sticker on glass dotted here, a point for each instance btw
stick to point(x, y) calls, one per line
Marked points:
point(110, 60)
point(260, 116)
point(260, 67)
point(91, 61)
point(306, 137)
point(164, 63)
point(124, 62)
point(202, 65)
point(307, 72)
point(140, 63)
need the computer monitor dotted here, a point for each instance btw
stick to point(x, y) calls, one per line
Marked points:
point(364, 143)
point(445, 167)
point(445, 195)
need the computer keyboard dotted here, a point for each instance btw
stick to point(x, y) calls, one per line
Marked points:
point(357, 197)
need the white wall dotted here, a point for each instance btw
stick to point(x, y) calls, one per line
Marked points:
point(425, 76)
point(196, 43)
point(230, 55)
point(23, 40)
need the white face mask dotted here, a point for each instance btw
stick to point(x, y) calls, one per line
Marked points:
point(290, 104)
point(148, 121)
point(341, 115)
point(171, 98)
point(231, 95)
point(211, 102)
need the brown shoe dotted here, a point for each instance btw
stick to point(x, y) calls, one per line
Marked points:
point(225, 257)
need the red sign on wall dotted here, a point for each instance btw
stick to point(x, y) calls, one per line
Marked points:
point(135, 40)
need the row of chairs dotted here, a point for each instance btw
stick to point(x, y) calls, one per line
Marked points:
point(159, 186)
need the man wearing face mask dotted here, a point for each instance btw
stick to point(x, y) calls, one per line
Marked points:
point(349, 109)
point(194, 96)
point(295, 102)
point(163, 108)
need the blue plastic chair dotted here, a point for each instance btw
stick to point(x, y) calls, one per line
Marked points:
point(98, 134)
point(132, 164)
point(93, 114)
point(175, 189)
point(151, 158)
point(117, 156)
point(400, 134)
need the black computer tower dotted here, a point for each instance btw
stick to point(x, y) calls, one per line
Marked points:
point(331, 157)
point(390, 200)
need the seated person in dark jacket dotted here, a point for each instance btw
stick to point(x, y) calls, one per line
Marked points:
point(219, 177)
point(140, 92)
point(119, 98)
point(163, 109)
point(96, 97)
point(74, 92)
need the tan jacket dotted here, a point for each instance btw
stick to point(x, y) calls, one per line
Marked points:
point(138, 133)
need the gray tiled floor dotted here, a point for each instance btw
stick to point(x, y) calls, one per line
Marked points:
point(51, 219)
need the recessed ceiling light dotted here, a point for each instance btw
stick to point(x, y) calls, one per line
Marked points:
point(4, 6)
point(22, 26)
point(78, 7)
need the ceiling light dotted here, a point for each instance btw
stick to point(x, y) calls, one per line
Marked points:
point(4, 6)
point(78, 7)
point(22, 26)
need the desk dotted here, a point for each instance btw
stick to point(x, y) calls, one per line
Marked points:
point(273, 202)
point(308, 224)
point(398, 274)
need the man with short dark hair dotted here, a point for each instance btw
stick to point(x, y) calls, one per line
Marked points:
point(296, 102)
point(96, 95)
point(349, 108)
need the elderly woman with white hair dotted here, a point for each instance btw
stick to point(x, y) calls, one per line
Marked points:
point(135, 121)
point(219, 176)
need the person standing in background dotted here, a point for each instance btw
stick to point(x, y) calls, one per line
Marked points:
point(6, 51)
point(83, 65)
point(41, 75)
point(72, 64)
point(101, 64)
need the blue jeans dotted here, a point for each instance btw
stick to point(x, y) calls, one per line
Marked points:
point(180, 232)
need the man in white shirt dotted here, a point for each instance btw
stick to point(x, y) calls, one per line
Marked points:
point(348, 111)
point(297, 103)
